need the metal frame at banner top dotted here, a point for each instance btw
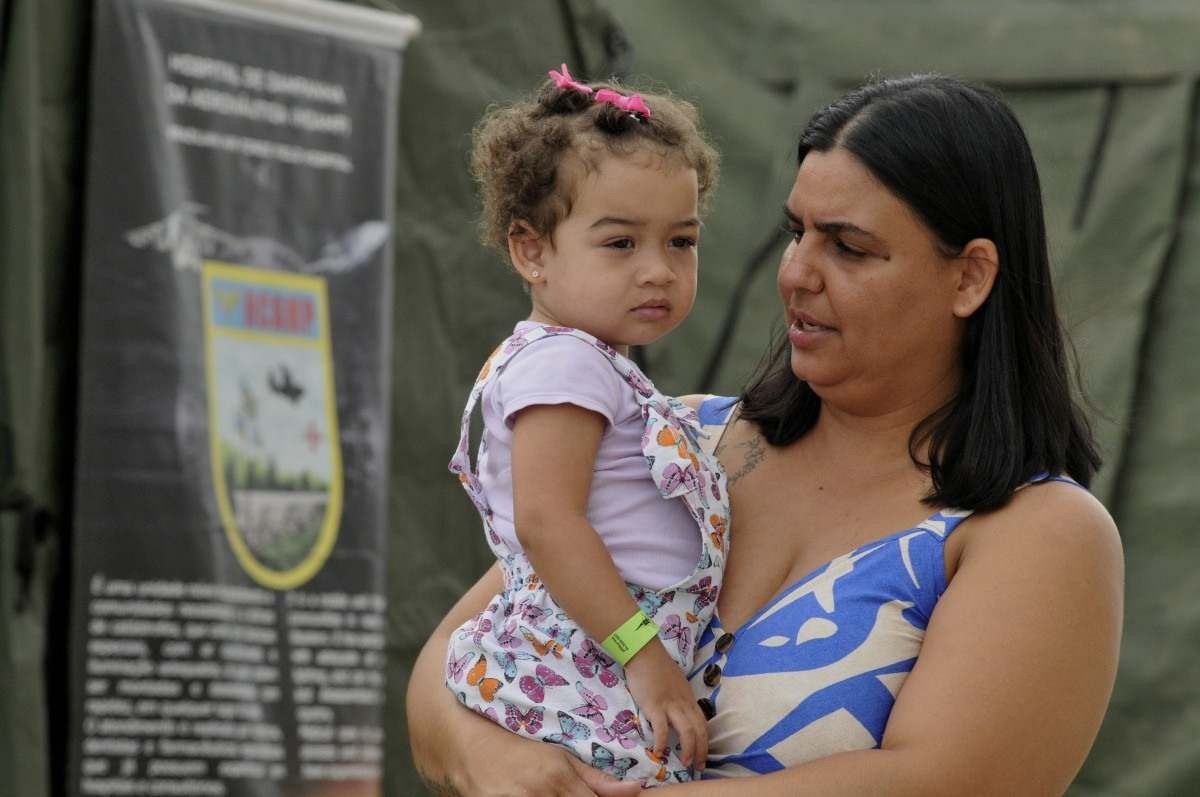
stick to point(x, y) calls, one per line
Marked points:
point(384, 28)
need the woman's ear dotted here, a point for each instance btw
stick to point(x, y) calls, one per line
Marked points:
point(977, 266)
point(527, 250)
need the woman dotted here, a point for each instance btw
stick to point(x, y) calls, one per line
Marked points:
point(918, 600)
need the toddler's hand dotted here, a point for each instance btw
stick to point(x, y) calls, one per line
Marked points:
point(662, 693)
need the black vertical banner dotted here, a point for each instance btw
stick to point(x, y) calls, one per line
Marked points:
point(230, 511)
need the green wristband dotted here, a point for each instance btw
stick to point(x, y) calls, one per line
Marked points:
point(631, 637)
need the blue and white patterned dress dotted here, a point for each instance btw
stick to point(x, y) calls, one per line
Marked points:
point(817, 670)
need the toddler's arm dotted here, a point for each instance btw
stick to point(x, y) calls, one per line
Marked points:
point(553, 456)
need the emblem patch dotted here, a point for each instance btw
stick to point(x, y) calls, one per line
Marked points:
point(272, 420)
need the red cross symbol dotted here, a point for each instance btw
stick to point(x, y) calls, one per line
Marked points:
point(312, 435)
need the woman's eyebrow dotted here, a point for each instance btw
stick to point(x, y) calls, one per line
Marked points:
point(833, 226)
point(846, 227)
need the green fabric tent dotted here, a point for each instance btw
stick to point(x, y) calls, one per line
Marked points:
point(1108, 94)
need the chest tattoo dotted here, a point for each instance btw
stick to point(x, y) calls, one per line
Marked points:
point(754, 455)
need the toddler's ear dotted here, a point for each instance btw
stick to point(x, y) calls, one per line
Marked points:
point(527, 250)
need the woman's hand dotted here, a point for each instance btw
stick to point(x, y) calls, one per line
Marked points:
point(459, 752)
point(666, 701)
point(516, 767)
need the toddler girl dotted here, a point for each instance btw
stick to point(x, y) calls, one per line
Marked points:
point(610, 523)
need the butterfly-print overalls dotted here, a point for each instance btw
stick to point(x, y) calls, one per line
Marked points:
point(525, 664)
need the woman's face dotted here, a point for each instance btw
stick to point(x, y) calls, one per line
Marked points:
point(867, 294)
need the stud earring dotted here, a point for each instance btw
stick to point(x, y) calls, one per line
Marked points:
point(535, 274)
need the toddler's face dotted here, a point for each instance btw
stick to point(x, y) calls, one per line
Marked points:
point(622, 265)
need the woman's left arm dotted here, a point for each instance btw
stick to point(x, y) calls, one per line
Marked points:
point(1016, 669)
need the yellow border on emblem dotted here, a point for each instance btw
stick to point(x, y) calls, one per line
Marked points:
point(275, 579)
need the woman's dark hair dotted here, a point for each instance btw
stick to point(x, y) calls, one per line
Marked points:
point(957, 156)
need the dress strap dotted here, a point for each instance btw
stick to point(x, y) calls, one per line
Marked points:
point(717, 410)
point(1045, 476)
point(943, 522)
point(715, 414)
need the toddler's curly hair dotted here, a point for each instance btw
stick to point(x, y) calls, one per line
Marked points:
point(519, 149)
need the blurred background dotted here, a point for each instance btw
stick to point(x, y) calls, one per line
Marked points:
point(1107, 92)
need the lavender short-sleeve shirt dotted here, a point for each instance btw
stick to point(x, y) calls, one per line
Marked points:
point(653, 541)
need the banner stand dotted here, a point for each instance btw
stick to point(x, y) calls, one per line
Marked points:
point(228, 609)
point(367, 25)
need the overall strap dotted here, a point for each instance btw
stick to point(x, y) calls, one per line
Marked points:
point(675, 469)
point(461, 464)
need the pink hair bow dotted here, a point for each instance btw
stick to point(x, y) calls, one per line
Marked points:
point(564, 81)
point(632, 104)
